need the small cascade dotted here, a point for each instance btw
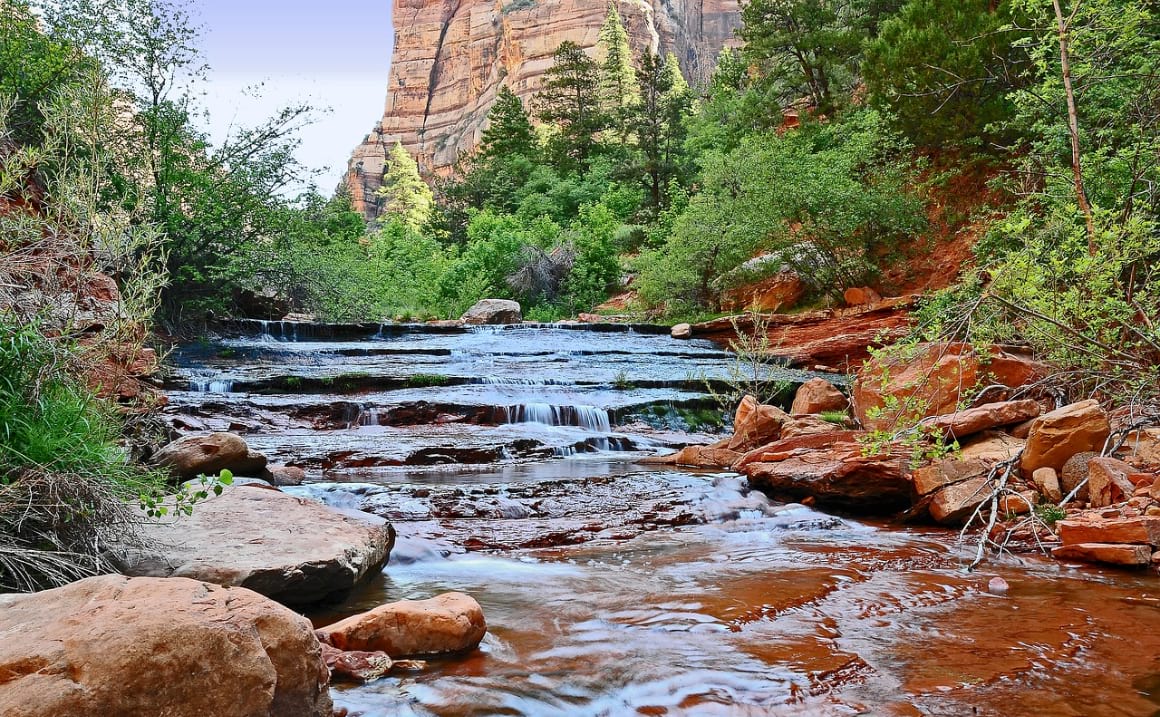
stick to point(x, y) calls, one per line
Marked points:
point(513, 381)
point(211, 385)
point(587, 417)
point(278, 330)
point(368, 416)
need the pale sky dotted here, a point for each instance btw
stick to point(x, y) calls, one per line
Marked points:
point(332, 54)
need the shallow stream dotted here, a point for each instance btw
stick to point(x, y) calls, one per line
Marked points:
point(507, 459)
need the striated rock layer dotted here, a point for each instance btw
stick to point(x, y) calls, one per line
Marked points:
point(451, 56)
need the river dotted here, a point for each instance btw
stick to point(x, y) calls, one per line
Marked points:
point(507, 459)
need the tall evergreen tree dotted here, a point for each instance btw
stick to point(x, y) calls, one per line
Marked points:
point(404, 194)
point(657, 121)
point(618, 89)
point(508, 132)
point(945, 68)
point(570, 99)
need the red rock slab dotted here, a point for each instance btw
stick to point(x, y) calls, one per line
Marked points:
point(839, 476)
point(1104, 553)
point(981, 418)
point(780, 450)
point(1130, 531)
point(1109, 482)
point(930, 478)
point(834, 337)
point(955, 503)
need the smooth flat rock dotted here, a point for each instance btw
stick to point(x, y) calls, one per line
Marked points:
point(113, 645)
point(296, 551)
point(839, 475)
point(1112, 554)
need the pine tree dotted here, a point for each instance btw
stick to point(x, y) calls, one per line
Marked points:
point(676, 81)
point(404, 194)
point(617, 78)
point(657, 120)
point(571, 100)
point(508, 132)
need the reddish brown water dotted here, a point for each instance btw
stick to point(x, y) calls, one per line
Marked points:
point(775, 610)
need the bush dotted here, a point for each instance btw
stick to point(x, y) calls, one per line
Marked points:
point(65, 485)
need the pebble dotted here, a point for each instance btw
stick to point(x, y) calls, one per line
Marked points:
point(997, 586)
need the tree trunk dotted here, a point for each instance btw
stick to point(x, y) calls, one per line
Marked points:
point(1073, 128)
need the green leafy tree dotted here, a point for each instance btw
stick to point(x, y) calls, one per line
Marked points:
point(404, 194)
point(570, 99)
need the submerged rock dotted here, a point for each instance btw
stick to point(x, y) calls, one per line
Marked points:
point(293, 550)
point(447, 623)
point(112, 645)
point(493, 311)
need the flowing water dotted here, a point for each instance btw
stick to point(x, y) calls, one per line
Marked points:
point(507, 461)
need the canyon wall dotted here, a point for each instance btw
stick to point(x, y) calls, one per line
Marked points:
point(451, 57)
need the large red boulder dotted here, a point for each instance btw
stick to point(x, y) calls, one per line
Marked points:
point(932, 380)
point(113, 645)
point(1057, 436)
point(818, 396)
point(756, 424)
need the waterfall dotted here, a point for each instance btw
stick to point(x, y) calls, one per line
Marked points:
point(211, 385)
point(588, 417)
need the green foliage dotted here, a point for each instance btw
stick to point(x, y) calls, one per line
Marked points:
point(617, 82)
point(945, 69)
point(404, 195)
point(819, 200)
point(570, 99)
point(509, 133)
point(1050, 514)
point(426, 380)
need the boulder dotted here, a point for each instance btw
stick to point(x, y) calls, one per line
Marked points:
point(113, 645)
point(991, 446)
point(808, 425)
point(296, 551)
point(818, 396)
point(1047, 483)
point(839, 476)
point(773, 294)
point(783, 448)
point(681, 331)
point(191, 456)
point(1075, 472)
point(1056, 436)
point(755, 424)
point(1095, 529)
point(444, 624)
point(860, 296)
point(1109, 482)
point(715, 456)
point(1113, 554)
point(955, 503)
point(1144, 446)
point(1019, 503)
point(970, 421)
point(283, 475)
point(493, 311)
point(939, 474)
point(931, 381)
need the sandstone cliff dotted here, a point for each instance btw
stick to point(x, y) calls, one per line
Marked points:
point(451, 56)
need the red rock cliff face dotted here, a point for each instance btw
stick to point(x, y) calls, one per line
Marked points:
point(451, 56)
